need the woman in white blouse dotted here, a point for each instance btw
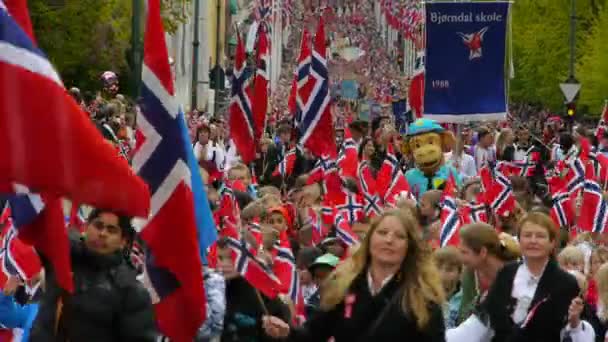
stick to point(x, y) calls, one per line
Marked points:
point(532, 300)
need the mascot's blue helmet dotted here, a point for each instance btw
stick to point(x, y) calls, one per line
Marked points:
point(421, 126)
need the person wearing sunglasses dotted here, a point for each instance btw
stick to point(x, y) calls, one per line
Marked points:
point(108, 302)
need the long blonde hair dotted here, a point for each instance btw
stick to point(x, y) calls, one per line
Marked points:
point(418, 275)
point(601, 277)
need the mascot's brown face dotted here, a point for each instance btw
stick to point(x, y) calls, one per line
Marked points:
point(427, 150)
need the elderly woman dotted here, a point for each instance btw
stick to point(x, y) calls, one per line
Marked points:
point(530, 300)
point(389, 290)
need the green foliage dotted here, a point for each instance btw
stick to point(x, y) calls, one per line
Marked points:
point(593, 66)
point(83, 38)
point(541, 51)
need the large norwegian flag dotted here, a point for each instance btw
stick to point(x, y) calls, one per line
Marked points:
point(300, 87)
point(242, 124)
point(173, 262)
point(50, 143)
point(316, 127)
point(261, 84)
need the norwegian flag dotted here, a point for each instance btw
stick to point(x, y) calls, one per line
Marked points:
point(229, 211)
point(261, 84)
point(242, 122)
point(256, 232)
point(263, 9)
point(319, 232)
point(285, 167)
point(367, 183)
point(285, 269)
point(562, 211)
point(523, 168)
point(344, 231)
point(473, 212)
point(300, 87)
point(40, 136)
point(18, 259)
point(594, 210)
point(316, 127)
point(416, 90)
point(391, 181)
point(173, 262)
point(250, 267)
point(322, 166)
point(502, 200)
point(348, 159)
point(450, 219)
point(603, 123)
point(575, 176)
point(39, 221)
point(352, 208)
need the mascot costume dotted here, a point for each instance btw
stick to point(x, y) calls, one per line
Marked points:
point(426, 142)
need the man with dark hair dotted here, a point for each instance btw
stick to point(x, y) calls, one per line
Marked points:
point(108, 303)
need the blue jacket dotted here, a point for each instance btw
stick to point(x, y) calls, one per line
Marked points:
point(14, 315)
point(419, 183)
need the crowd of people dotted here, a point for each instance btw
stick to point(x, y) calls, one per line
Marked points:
point(474, 232)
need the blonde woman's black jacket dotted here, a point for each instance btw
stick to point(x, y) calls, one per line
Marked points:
point(363, 322)
point(108, 303)
point(554, 293)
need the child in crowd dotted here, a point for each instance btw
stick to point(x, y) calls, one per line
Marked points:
point(572, 258)
point(449, 263)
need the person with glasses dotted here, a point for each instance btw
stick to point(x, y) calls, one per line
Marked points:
point(108, 303)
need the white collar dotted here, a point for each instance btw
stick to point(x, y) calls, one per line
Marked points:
point(370, 283)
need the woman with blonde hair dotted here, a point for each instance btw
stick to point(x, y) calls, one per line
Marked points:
point(389, 290)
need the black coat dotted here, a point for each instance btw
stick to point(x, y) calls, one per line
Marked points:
point(108, 303)
point(555, 291)
point(363, 324)
point(243, 318)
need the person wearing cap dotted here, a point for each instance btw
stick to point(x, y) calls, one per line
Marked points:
point(108, 302)
point(320, 269)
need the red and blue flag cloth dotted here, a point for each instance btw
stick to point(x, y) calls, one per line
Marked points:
point(256, 272)
point(367, 184)
point(261, 84)
point(344, 230)
point(562, 211)
point(594, 209)
point(450, 219)
point(316, 125)
point(300, 90)
point(284, 267)
point(348, 160)
point(241, 121)
point(51, 144)
point(391, 180)
point(173, 263)
point(18, 259)
point(321, 167)
point(38, 221)
point(286, 165)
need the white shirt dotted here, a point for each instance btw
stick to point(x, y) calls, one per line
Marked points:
point(370, 283)
point(524, 287)
point(215, 153)
point(484, 155)
point(464, 164)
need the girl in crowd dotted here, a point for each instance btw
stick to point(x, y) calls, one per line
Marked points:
point(389, 290)
point(484, 252)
